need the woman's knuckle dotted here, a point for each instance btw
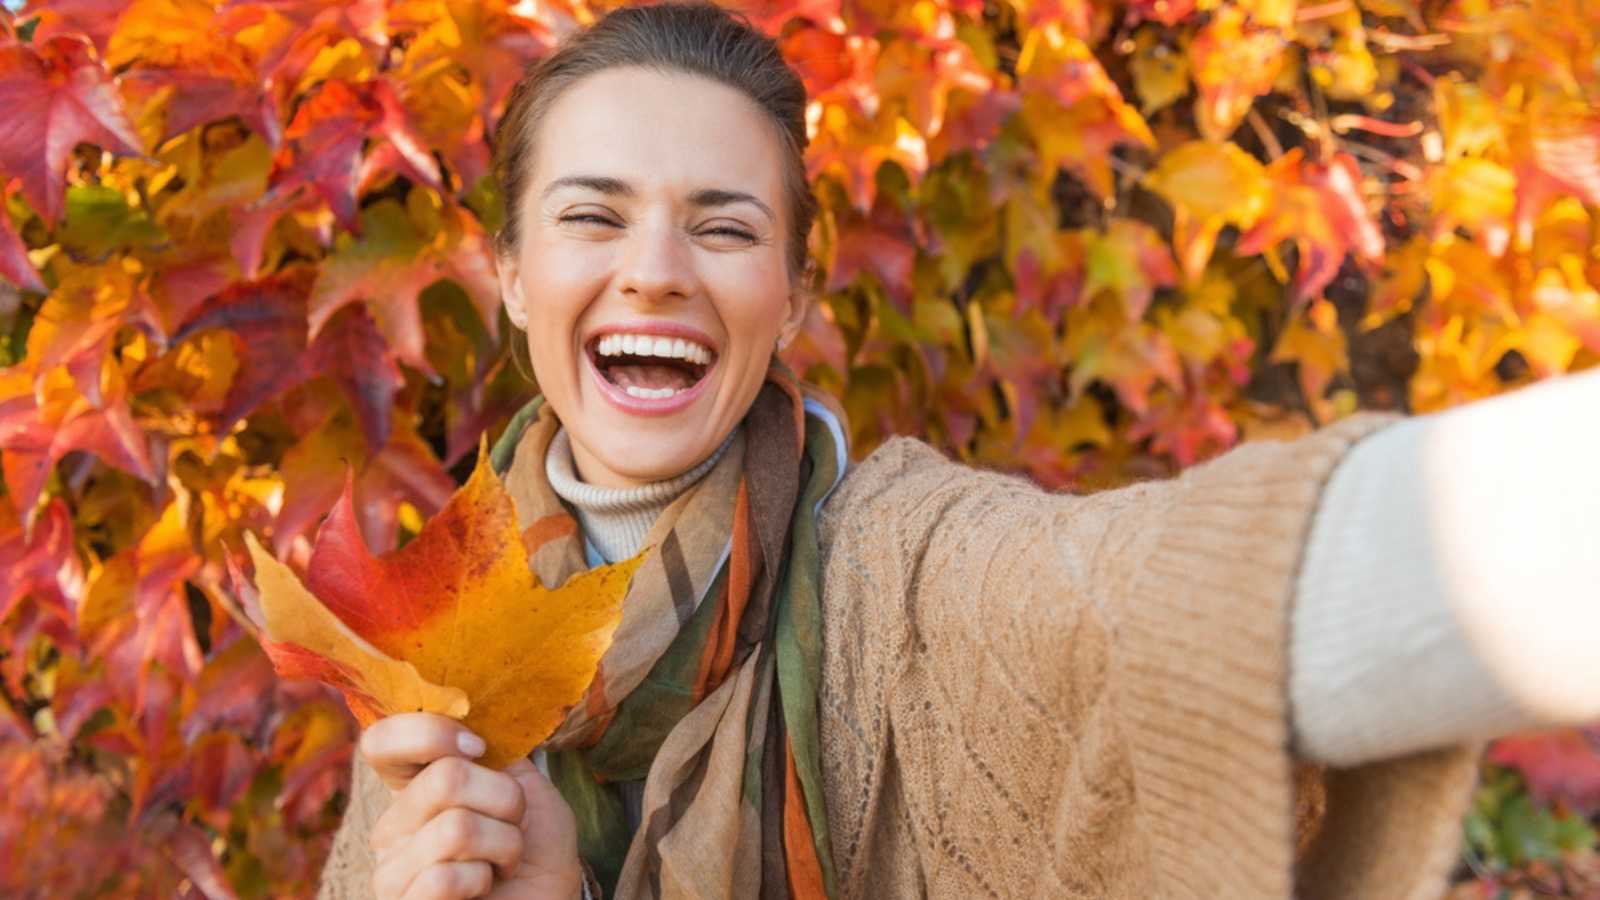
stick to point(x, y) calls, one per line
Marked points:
point(371, 744)
point(479, 878)
point(505, 792)
point(453, 880)
point(458, 829)
point(436, 881)
point(447, 778)
point(516, 802)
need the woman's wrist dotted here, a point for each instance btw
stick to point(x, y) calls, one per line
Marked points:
point(1441, 594)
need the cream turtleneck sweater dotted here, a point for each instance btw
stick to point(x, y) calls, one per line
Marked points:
point(615, 520)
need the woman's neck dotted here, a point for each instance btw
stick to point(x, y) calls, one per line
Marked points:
point(616, 520)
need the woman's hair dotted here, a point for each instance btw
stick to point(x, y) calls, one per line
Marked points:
point(693, 38)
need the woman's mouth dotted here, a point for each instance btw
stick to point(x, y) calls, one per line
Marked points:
point(648, 372)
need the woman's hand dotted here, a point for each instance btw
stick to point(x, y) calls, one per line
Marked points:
point(456, 829)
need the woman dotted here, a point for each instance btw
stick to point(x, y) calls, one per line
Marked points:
point(917, 679)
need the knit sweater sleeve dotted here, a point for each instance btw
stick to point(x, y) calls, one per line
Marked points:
point(1098, 684)
point(347, 875)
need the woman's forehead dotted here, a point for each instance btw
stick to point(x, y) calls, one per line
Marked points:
point(655, 132)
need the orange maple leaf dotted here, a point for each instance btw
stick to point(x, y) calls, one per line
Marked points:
point(454, 622)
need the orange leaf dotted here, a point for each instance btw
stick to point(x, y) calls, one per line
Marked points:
point(309, 641)
point(1321, 208)
point(458, 608)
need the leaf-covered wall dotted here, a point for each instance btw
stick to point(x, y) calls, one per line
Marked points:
point(245, 243)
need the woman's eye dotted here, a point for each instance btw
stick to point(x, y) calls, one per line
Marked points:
point(587, 218)
point(735, 233)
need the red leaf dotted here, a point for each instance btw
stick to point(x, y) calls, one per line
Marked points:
point(94, 19)
point(221, 767)
point(79, 693)
point(198, 98)
point(313, 470)
point(1318, 206)
point(13, 727)
point(43, 565)
point(35, 437)
point(882, 245)
point(772, 15)
point(15, 266)
point(190, 850)
point(53, 102)
point(393, 261)
point(325, 141)
point(352, 352)
point(1558, 765)
point(268, 318)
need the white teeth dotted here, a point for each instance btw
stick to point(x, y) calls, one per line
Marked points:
point(645, 393)
point(653, 345)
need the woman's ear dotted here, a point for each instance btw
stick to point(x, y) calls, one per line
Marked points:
point(506, 270)
point(800, 300)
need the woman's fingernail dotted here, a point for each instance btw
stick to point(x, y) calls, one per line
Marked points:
point(471, 744)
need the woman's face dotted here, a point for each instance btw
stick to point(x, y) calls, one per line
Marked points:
point(652, 268)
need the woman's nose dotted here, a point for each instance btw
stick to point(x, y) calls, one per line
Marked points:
point(656, 267)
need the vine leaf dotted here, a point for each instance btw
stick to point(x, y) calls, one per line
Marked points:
point(454, 622)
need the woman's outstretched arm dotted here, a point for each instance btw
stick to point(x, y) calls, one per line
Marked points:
point(1041, 694)
point(1451, 588)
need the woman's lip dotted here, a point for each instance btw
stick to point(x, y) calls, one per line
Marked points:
point(639, 406)
point(656, 327)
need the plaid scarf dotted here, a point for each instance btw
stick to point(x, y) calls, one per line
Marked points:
point(709, 689)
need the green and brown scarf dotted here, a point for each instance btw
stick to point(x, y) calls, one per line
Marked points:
point(709, 690)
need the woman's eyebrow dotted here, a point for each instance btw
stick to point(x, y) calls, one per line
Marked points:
point(616, 187)
point(605, 184)
point(723, 197)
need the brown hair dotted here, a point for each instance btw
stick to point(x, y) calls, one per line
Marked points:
point(694, 38)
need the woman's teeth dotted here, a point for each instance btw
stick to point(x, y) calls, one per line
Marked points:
point(645, 393)
point(652, 345)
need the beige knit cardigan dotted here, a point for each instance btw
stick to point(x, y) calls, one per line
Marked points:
point(1028, 694)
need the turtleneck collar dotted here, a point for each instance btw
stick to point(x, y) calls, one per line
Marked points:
point(616, 520)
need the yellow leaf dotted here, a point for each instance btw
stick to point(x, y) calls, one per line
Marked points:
point(460, 605)
point(1160, 72)
point(385, 685)
point(1477, 193)
point(1209, 186)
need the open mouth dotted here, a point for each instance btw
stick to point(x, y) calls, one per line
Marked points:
point(651, 366)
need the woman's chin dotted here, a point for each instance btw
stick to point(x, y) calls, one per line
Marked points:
point(644, 462)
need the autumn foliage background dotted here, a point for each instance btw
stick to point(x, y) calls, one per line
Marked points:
point(243, 243)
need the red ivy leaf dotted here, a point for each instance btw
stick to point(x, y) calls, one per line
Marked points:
point(392, 262)
point(15, 266)
point(325, 141)
point(35, 437)
point(268, 317)
point(42, 564)
point(54, 100)
point(1558, 765)
point(1318, 206)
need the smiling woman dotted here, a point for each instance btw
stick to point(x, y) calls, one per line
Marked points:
point(906, 678)
point(655, 214)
